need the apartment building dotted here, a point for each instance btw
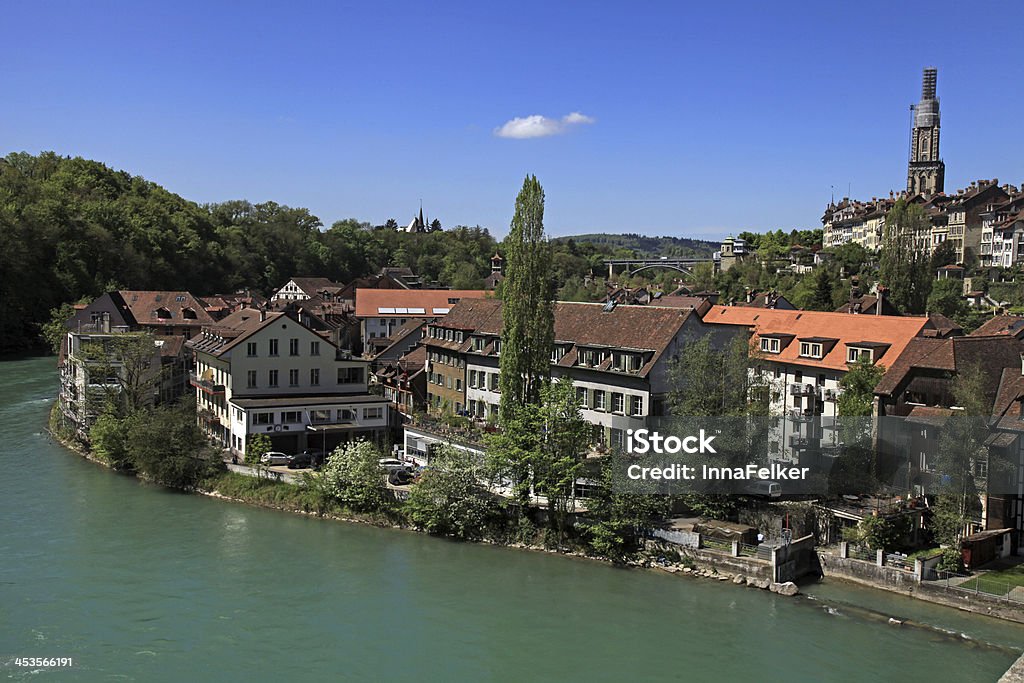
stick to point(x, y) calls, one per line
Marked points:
point(97, 358)
point(267, 373)
point(1002, 233)
point(803, 355)
point(616, 356)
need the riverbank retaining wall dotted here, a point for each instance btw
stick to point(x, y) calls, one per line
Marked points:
point(795, 560)
point(877, 575)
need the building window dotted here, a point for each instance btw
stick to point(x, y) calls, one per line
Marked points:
point(373, 413)
point(472, 379)
point(314, 377)
point(770, 345)
point(581, 397)
point(291, 417)
point(319, 416)
point(638, 405)
point(293, 347)
point(272, 378)
point(250, 349)
point(853, 354)
point(314, 348)
point(810, 350)
point(618, 403)
point(293, 378)
point(350, 375)
point(346, 415)
point(494, 381)
point(273, 347)
point(263, 418)
point(251, 379)
point(599, 399)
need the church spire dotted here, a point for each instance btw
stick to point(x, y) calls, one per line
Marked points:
point(926, 170)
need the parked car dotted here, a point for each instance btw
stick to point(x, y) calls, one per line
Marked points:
point(301, 461)
point(275, 458)
point(400, 477)
point(391, 464)
point(763, 489)
point(316, 457)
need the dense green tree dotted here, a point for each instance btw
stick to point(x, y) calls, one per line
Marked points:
point(618, 518)
point(540, 450)
point(944, 254)
point(168, 447)
point(528, 311)
point(905, 269)
point(851, 257)
point(109, 440)
point(354, 478)
point(448, 499)
point(857, 395)
point(713, 377)
point(821, 297)
point(947, 298)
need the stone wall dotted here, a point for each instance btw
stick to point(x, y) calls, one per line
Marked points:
point(868, 573)
point(712, 559)
point(897, 581)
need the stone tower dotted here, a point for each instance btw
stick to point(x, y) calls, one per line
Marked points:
point(926, 171)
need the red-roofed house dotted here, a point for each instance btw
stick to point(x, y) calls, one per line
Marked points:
point(382, 311)
point(806, 353)
point(266, 373)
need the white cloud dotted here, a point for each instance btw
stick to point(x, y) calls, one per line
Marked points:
point(577, 117)
point(537, 126)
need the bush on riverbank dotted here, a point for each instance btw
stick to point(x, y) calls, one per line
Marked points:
point(162, 444)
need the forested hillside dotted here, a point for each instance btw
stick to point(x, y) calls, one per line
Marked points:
point(644, 246)
point(73, 228)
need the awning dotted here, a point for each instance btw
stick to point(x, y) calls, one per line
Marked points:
point(337, 427)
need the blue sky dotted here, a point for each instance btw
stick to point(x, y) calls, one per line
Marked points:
point(694, 119)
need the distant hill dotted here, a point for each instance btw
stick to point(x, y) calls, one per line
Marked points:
point(649, 246)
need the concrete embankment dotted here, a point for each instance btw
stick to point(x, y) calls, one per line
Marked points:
point(1015, 674)
point(905, 583)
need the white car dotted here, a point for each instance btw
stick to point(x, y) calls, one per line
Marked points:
point(275, 458)
point(391, 464)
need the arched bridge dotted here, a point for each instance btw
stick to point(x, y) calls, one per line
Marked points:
point(635, 265)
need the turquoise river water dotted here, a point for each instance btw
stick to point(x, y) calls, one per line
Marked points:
point(135, 583)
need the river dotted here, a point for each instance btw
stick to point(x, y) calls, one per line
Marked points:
point(137, 583)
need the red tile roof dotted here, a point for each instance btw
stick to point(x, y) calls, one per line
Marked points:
point(637, 328)
point(989, 355)
point(1010, 325)
point(414, 302)
point(896, 331)
point(144, 305)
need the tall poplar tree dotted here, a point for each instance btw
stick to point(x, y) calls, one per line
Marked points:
point(528, 308)
point(905, 269)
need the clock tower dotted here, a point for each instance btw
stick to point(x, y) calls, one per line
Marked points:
point(926, 171)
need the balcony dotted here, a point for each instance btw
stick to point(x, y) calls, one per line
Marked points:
point(831, 395)
point(205, 385)
point(797, 389)
point(797, 415)
point(799, 441)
